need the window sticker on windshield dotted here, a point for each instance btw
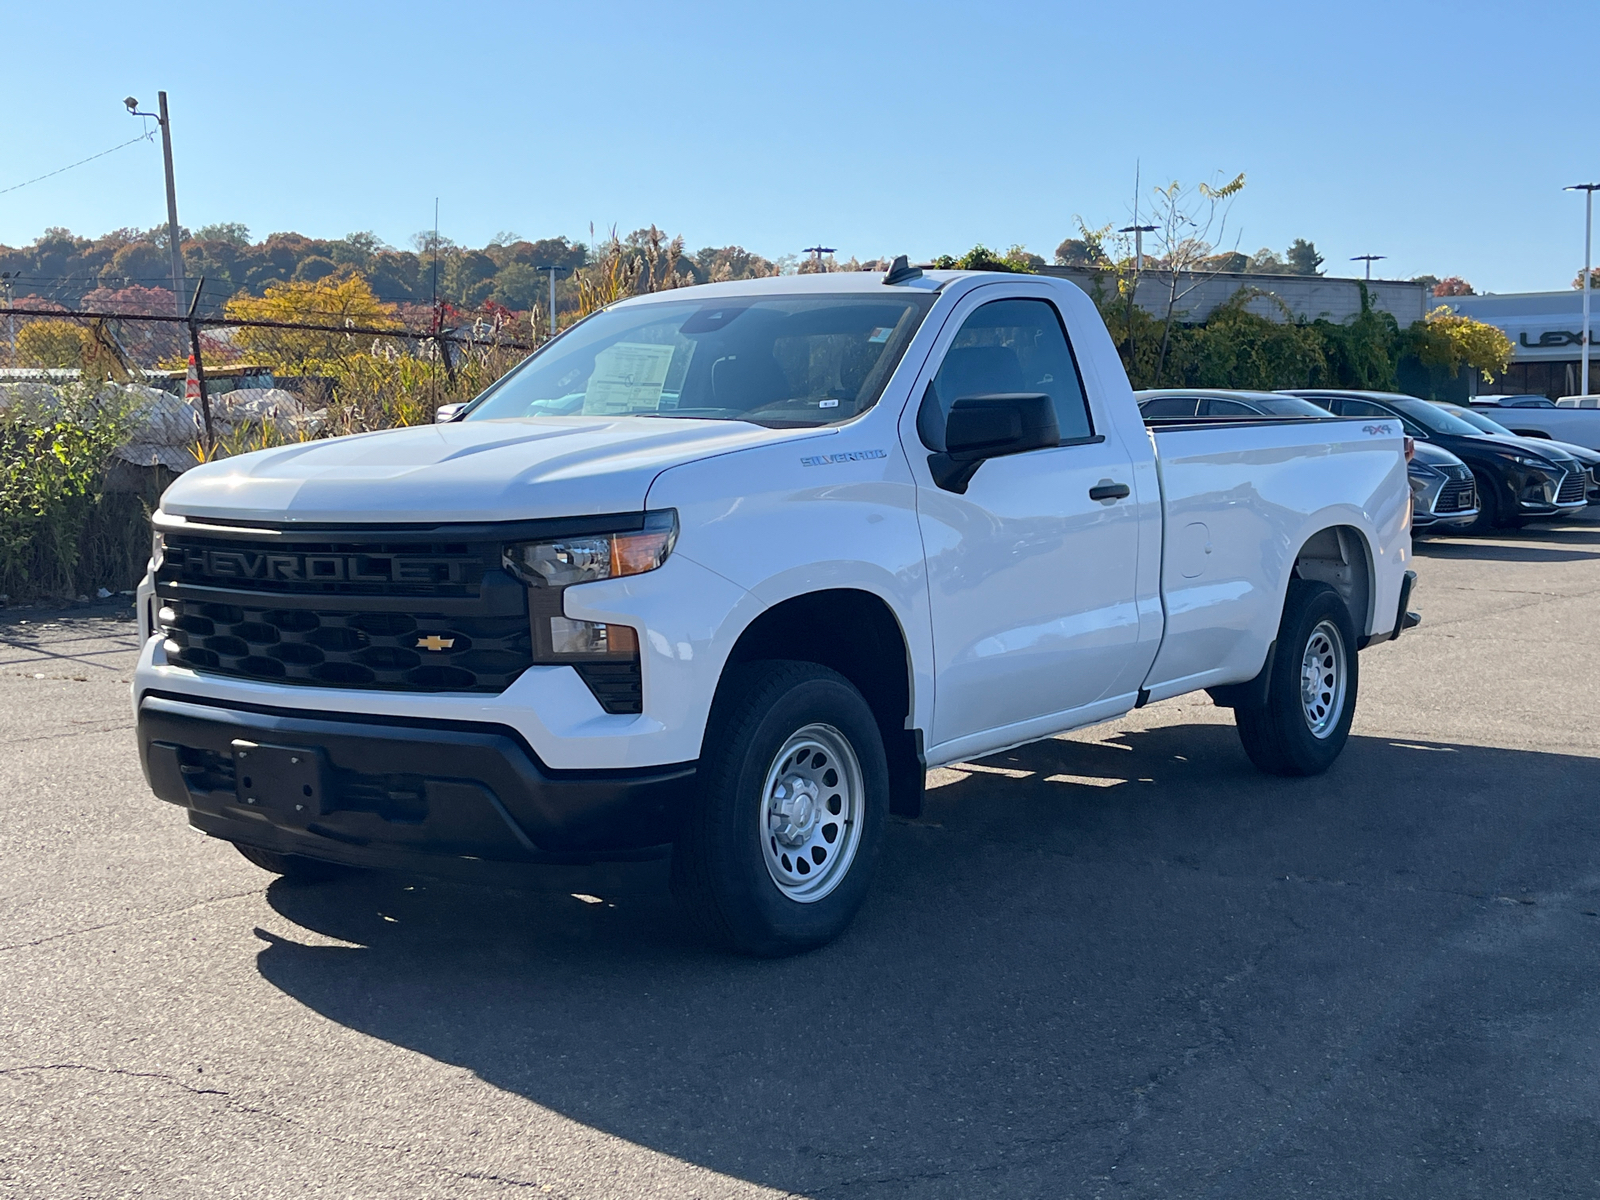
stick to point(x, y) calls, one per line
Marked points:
point(881, 334)
point(628, 378)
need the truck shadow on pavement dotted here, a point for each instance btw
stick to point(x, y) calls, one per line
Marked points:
point(1135, 960)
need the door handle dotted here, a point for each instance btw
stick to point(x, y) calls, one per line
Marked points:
point(1106, 490)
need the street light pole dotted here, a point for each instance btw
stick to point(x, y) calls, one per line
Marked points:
point(817, 252)
point(1138, 232)
point(1369, 259)
point(174, 241)
point(1589, 190)
point(554, 272)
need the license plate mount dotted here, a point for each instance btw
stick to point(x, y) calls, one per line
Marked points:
point(285, 784)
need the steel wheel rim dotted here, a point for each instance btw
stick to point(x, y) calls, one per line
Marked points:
point(810, 828)
point(1322, 679)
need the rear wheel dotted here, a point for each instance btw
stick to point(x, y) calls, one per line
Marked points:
point(778, 852)
point(1311, 690)
point(293, 866)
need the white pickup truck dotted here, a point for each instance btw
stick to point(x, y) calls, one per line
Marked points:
point(1570, 419)
point(719, 572)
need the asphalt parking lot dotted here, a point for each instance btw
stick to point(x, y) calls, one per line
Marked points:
point(1117, 963)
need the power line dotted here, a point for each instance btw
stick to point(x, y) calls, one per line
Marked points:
point(143, 137)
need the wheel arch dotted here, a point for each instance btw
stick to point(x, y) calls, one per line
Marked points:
point(857, 634)
point(1340, 555)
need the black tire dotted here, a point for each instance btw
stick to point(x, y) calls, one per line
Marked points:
point(1488, 518)
point(1279, 735)
point(720, 871)
point(293, 866)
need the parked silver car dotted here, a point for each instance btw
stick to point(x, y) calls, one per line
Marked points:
point(1444, 496)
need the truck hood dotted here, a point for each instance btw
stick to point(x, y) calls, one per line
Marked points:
point(462, 471)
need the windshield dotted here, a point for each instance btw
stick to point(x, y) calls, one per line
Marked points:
point(1433, 418)
point(1478, 421)
point(781, 361)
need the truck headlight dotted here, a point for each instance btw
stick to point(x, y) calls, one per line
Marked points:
point(561, 562)
point(158, 550)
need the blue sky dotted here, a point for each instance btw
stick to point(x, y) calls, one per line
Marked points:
point(1439, 134)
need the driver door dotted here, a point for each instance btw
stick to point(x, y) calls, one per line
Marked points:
point(1031, 581)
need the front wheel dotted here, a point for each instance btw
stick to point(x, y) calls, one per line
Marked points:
point(778, 852)
point(1311, 688)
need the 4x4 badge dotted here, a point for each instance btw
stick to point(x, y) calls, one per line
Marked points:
point(434, 642)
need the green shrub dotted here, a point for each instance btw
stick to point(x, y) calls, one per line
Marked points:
point(58, 536)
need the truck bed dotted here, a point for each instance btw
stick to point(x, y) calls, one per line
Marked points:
point(1239, 498)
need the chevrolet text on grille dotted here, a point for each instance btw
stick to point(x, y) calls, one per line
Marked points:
point(329, 568)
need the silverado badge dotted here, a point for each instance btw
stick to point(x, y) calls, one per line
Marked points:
point(434, 642)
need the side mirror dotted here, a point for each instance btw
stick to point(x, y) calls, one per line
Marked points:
point(447, 412)
point(983, 427)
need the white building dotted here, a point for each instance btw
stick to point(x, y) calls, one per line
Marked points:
point(1546, 332)
point(1275, 297)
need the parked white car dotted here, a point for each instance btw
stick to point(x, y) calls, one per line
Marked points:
point(1537, 416)
point(722, 570)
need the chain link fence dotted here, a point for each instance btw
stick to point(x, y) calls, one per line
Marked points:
point(97, 416)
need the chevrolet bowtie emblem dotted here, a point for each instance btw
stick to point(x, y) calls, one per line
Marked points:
point(434, 642)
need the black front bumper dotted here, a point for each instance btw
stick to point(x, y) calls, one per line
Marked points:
point(438, 797)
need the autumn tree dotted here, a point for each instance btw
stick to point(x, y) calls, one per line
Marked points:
point(1453, 285)
point(50, 343)
point(1448, 340)
point(334, 302)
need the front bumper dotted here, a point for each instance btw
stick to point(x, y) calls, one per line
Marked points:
point(437, 797)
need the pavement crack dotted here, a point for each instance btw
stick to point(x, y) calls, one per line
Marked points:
point(168, 912)
point(246, 1108)
point(69, 733)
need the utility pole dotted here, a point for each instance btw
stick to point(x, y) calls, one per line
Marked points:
point(1369, 259)
point(554, 272)
point(1589, 190)
point(175, 242)
point(434, 299)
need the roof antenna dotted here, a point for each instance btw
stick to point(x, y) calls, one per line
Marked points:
point(901, 271)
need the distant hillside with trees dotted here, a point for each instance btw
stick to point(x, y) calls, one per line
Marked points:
point(129, 270)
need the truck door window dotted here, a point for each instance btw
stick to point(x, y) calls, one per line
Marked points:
point(1015, 346)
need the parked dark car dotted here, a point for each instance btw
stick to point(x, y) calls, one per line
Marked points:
point(1444, 497)
point(1589, 458)
point(1162, 403)
point(1514, 483)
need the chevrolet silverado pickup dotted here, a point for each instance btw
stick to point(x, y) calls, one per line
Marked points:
point(719, 572)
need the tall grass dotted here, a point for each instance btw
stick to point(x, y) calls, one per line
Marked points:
point(61, 534)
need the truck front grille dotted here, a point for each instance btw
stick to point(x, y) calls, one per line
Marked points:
point(423, 651)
